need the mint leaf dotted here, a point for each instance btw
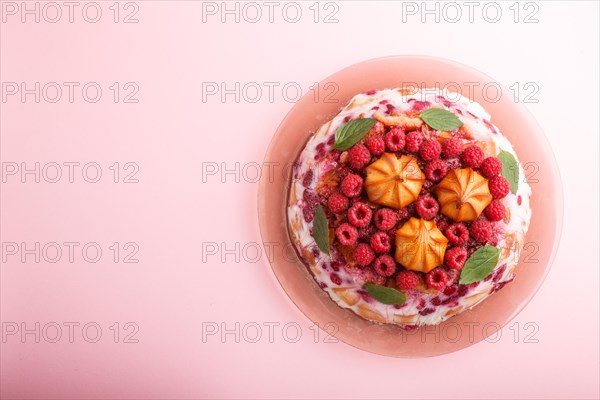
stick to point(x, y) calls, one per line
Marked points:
point(349, 134)
point(440, 119)
point(321, 230)
point(510, 169)
point(479, 265)
point(385, 294)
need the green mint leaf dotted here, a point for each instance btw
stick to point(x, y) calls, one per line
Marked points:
point(321, 230)
point(510, 169)
point(440, 119)
point(349, 134)
point(479, 265)
point(385, 294)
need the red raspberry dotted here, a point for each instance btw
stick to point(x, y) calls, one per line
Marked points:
point(491, 166)
point(359, 156)
point(430, 150)
point(456, 257)
point(457, 234)
point(335, 278)
point(365, 233)
point(453, 276)
point(385, 219)
point(403, 214)
point(337, 203)
point(452, 147)
point(436, 170)
point(395, 139)
point(378, 128)
point(495, 211)
point(376, 144)
point(499, 186)
point(346, 234)
point(413, 141)
point(368, 275)
point(472, 157)
point(363, 254)
point(436, 278)
point(385, 265)
point(427, 207)
point(352, 185)
point(407, 280)
point(481, 230)
point(441, 222)
point(449, 291)
point(359, 215)
point(380, 242)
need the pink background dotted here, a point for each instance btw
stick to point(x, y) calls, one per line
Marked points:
point(176, 291)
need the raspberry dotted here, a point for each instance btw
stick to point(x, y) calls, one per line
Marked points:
point(453, 276)
point(359, 215)
point(427, 185)
point(376, 144)
point(441, 222)
point(359, 156)
point(380, 242)
point(363, 254)
point(403, 214)
point(352, 185)
point(491, 166)
point(365, 233)
point(436, 170)
point(495, 211)
point(420, 105)
point(346, 234)
point(395, 139)
point(385, 265)
point(407, 280)
point(430, 150)
point(368, 275)
point(337, 203)
point(481, 230)
point(426, 311)
point(307, 179)
point(427, 207)
point(456, 257)
point(499, 186)
point(310, 205)
point(454, 163)
point(378, 128)
point(457, 234)
point(452, 147)
point(413, 141)
point(335, 278)
point(385, 219)
point(449, 291)
point(436, 278)
point(472, 157)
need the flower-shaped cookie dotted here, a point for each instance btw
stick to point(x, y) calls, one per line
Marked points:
point(420, 245)
point(463, 194)
point(394, 182)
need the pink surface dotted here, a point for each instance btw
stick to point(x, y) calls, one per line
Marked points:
point(194, 303)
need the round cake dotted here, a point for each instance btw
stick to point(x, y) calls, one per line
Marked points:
point(409, 206)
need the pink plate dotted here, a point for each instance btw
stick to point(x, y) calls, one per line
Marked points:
point(514, 121)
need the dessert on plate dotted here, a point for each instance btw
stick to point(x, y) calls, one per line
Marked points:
point(409, 206)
